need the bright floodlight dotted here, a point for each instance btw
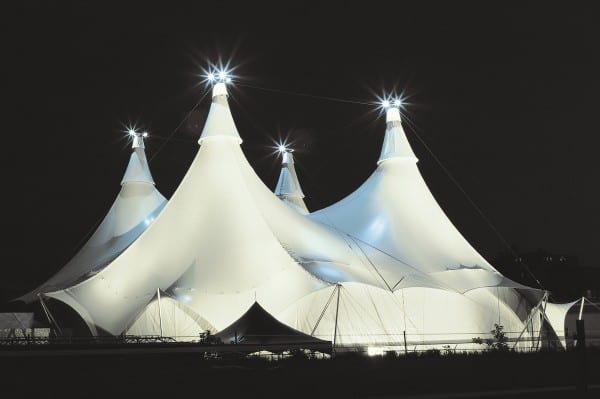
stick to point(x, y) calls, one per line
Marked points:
point(281, 148)
point(385, 103)
point(132, 132)
point(222, 75)
point(397, 103)
point(145, 134)
point(211, 77)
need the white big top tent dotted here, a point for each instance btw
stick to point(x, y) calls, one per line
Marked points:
point(137, 204)
point(382, 267)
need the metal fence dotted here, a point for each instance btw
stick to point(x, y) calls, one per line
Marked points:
point(378, 345)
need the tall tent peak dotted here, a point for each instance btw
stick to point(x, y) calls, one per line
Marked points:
point(137, 139)
point(138, 170)
point(395, 143)
point(392, 115)
point(219, 89)
point(288, 186)
point(219, 123)
point(287, 158)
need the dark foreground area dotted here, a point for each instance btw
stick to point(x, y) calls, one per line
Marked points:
point(167, 375)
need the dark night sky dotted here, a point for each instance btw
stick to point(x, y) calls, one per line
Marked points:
point(506, 98)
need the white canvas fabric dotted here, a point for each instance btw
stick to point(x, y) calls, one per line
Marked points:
point(556, 314)
point(394, 217)
point(210, 244)
point(387, 220)
point(288, 187)
point(354, 313)
point(167, 317)
point(136, 206)
point(219, 122)
point(224, 241)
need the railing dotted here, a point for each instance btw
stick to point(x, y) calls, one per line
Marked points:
point(68, 340)
point(379, 344)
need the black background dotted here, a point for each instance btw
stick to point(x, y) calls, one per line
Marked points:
point(506, 97)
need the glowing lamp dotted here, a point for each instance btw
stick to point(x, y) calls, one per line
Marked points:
point(375, 351)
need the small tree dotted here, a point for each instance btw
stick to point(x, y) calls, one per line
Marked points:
point(499, 342)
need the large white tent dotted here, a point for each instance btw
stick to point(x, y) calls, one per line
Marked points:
point(441, 286)
point(137, 204)
point(381, 265)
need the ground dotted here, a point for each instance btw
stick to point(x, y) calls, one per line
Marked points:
point(163, 375)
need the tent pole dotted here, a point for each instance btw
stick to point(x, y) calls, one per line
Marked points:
point(49, 316)
point(337, 307)
point(543, 316)
point(312, 333)
point(581, 308)
point(582, 356)
point(159, 312)
point(528, 322)
point(405, 348)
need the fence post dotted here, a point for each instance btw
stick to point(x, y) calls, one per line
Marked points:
point(581, 357)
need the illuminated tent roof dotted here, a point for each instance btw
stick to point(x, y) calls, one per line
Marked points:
point(224, 241)
point(395, 220)
point(288, 187)
point(211, 247)
point(382, 221)
point(134, 209)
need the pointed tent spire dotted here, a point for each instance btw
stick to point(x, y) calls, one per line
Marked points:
point(288, 187)
point(219, 122)
point(393, 213)
point(134, 209)
point(138, 170)
point(395, 144)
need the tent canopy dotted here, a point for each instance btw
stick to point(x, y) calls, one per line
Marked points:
point(137, 204)
point(258, 327)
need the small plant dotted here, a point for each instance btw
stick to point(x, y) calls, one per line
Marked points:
point(499, 342)
point(433, 352)
point(206, 337)
point(447, 350)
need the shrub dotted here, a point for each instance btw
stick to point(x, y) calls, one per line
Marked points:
point(499, 342)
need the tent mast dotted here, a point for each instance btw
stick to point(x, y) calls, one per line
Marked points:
point(49, 316)
point(312, 333)
point(581, 308)
point(543, 316)
point(159, 312)
point(337, 307)
point(530, 318)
